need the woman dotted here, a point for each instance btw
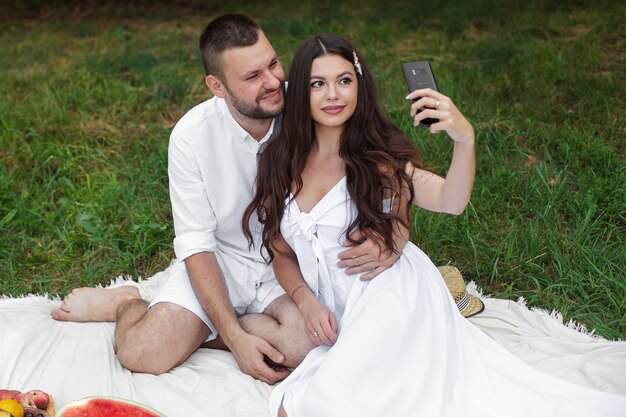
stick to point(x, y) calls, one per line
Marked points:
point(396, 345)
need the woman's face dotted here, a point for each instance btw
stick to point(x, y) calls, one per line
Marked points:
point(334, 89)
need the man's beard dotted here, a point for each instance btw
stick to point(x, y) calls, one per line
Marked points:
point(254, 110)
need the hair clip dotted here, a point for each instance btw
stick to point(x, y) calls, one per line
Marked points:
point(357, 64)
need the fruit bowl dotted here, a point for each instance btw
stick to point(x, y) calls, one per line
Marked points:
point(107, 407)
point(33, 403)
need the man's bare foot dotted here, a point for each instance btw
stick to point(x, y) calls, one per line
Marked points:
point(94, 304)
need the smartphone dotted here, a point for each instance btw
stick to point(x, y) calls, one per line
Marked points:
point(419, 75)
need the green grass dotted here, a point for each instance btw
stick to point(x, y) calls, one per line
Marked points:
point(88, 96)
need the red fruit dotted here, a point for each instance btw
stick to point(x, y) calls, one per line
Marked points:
point(39, 398)
point(25, 400)
point(106, 407)
point(8, 394)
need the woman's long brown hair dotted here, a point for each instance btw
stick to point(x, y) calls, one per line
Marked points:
point(373, 148)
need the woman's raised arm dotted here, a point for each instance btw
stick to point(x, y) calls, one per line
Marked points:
point(452, 193)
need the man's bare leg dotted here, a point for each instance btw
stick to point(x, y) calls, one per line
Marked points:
point(156, 340)
point(281, 324)
point(151, 340)
point(94, 304)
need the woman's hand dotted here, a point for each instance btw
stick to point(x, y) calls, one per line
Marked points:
point(437, 106)
point(320, 323)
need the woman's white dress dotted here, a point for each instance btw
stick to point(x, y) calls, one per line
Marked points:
point(403, 349)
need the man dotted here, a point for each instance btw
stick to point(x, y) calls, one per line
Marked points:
point(219, 286)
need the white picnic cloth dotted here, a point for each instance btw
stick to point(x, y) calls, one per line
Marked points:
point(76, 360)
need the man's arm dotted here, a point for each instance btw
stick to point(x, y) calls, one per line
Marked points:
point(195, 224)
point(249, 350)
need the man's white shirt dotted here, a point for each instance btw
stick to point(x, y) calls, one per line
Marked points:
point(212, 166)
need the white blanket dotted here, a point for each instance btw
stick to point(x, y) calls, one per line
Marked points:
point(76, 360)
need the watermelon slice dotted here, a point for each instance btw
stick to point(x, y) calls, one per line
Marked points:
point(106, 407)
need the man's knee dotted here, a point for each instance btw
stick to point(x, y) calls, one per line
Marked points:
point(137, 358)
point(162, 339)
point(282, 325)
point(295, 354)
point(283, 309)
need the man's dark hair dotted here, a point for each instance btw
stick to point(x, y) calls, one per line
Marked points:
point(223, 33)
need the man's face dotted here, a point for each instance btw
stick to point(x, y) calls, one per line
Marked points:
point(254, 80)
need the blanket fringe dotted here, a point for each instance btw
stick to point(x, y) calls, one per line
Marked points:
point(549, 315)
point(45, 295)
point(148, 287)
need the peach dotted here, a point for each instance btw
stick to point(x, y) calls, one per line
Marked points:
point(39, 398)
point(8, 394)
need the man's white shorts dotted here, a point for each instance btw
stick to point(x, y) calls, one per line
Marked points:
point(178, 290)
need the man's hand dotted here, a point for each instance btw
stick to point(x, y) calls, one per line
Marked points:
point(368, 256)
point(250, 351)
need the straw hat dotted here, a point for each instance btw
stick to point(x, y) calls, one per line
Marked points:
point(467, 304)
